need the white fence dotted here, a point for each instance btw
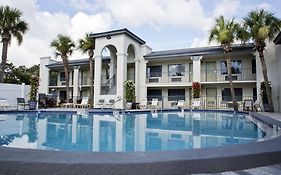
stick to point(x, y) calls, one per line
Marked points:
point(13, 91)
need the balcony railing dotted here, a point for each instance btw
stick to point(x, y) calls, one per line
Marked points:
point(56, 82)
point(244, 74)
point(168, 77)
point(219, 102)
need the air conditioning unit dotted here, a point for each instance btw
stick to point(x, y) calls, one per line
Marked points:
point(176, 79)
point(153, 80)
point(234, 77)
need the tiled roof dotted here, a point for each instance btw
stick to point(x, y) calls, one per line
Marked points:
point(118, 32)
point(196, 51)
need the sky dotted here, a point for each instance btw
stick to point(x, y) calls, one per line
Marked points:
point(163, 24)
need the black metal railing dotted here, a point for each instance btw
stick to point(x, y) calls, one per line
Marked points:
point(243, 74)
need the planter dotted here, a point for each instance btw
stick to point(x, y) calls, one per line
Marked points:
point(129, 105)
point(32, 105)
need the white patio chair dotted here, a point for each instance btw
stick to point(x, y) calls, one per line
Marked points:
point(84, 103)
point(248, 105)
point(180, 104)
point(4, 104)
point(143, 104)
point(196, 104)
point(154, 103)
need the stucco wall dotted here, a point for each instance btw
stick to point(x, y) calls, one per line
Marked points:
point(272, 55)
point(13, 91)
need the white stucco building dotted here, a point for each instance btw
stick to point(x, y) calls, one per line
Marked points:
point(167, 75)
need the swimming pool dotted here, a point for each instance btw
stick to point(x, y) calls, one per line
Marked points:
point(145, 132)
point(259, 134)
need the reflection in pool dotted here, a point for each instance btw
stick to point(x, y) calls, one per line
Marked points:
point(126, 133)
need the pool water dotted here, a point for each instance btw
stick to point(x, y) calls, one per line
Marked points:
point(126, 133)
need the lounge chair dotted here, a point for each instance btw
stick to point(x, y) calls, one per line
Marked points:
point(84, 103)
point(257, 106)
point(143, 104)
point(248, 105)
point(4, 104)
point(154, 103)
point(101, 103)
point(110, 103)
point(180, 104)
point(196, 104)
point(67, 105)
point(21, 103)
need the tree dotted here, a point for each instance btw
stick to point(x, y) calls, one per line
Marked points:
point(224, 32)
point(11, 25)
point(21, 74)
point(64, 47)
point(87, 45)
point(262, 26)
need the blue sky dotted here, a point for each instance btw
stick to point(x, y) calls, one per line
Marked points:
point(163, 24)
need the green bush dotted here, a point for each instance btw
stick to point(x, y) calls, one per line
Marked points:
point(129, 91)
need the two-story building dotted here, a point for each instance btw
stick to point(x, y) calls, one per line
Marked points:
point(167, 75)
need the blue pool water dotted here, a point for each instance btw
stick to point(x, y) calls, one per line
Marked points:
point(126, 133)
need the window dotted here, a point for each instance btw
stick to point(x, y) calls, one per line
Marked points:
point(176, 94)
point(226, 94)
point(154, 71)
point(236, 67)
point(254, 67)
point(154, 93)
point(176, 70)
point(62, 76)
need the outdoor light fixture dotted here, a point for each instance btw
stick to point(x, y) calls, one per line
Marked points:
point(108, 37)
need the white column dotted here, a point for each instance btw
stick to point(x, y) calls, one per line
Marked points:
point(76, 84)
point(74, 129)
point(137, 84)
point(121, 77)
point(97, 79)
point(196, 68)
point(22, 90)
point(44, 75)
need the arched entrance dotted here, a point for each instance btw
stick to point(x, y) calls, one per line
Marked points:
point(108, 70)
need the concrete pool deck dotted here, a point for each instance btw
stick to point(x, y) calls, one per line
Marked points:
point(218, 159)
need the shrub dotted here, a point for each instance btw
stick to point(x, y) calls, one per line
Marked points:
point(196, 88)
point(129, 91)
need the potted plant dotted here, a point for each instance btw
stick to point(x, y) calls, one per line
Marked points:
point(34, 83)
point(196, 88)
point(129, 93)
point(264, 99)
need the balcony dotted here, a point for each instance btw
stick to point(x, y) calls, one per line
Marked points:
point(219, 75)
point(56, 82)
point(168, 77)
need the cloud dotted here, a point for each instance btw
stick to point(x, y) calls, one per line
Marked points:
point(44, 27)
point(158, 13)
point(227, 8)
point(264, 6)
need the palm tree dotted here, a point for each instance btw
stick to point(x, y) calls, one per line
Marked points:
point(224, 32)
point(64, 47)
point(87, 45)
point(11, 25)
point(262, 26)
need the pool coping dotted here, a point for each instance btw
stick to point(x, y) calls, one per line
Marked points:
point(204, 160)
